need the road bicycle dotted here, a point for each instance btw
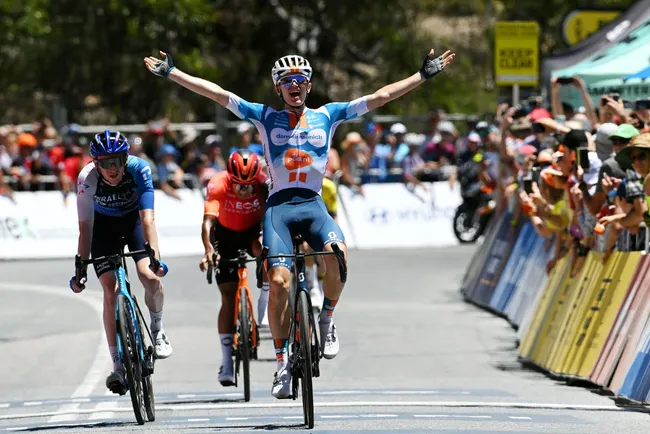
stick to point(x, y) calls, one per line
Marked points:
point(304, 343)
point(246, 335)
point(134, 342)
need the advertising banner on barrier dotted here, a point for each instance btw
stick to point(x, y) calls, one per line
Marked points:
point(496, 261)
point(42, 225)
point(390, 215)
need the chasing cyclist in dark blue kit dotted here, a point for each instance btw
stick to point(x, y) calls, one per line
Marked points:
point(115, 205)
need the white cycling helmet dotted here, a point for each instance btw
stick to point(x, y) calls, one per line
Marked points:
point(291, 64)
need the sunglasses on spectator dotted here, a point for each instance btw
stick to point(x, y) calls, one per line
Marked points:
point(107, 163)
point(288, 81)
point(639, 157)
point(244, 188)
point(620, 141)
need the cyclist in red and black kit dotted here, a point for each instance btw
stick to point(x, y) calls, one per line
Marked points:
point(234, 208)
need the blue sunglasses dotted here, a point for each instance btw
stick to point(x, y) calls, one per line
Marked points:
point(288, 81)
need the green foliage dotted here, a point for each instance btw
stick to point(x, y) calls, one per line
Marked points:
point(88, 54)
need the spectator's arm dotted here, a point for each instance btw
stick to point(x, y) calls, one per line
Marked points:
point(556, 103)
point(590, 112)
point(634, 217)
point(169, 190)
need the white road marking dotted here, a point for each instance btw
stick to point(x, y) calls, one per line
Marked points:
point(199, 420)
point(378, 415)
point(17, 428)
point(31, 403)
point(5, 405)
point(104, 410)
point(520, 417)
point(339, 416)
point(102, 360)
point(243, 406)
point(292, 417)
point(237, 418)
point(189, 395)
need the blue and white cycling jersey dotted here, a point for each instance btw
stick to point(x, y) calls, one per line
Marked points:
point(134, 192)
point(296, 148)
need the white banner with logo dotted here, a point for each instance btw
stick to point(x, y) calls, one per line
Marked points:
point(43, 225)
point(392, 215)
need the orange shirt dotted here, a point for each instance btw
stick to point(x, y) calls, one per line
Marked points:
point(232, 212)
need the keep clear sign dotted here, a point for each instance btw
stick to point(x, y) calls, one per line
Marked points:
point(516, 53)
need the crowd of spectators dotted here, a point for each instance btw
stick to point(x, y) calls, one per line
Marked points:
point(580, 175)
point(42, 158)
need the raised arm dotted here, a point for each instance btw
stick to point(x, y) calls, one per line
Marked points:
point(430, 68)
point(165, 68)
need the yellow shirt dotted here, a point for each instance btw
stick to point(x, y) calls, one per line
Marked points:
point(329, 196)
point(561, 209)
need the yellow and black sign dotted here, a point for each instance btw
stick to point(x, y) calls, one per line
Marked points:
point(579, 24)
point(516, 53)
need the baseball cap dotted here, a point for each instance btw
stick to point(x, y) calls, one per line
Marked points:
point(243, 128)
point(539, 113)
point(213, 140)
point(168, 149)
point(625, 131)
point(575, 139)
point(473, 137)
point(446, 127)
point(398, 128)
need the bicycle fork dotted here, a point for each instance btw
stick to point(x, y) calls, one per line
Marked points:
point(295, 359)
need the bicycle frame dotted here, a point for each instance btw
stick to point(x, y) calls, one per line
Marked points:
point(242, 272)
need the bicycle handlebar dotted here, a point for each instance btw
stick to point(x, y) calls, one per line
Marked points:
point(336, 251)
point(241, 261)
point(79, 263)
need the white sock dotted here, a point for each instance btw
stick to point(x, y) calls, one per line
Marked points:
point(117, 364)
point(262, 302)
point(156, 322)
point(226, 351)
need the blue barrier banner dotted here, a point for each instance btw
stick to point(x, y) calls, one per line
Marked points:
point(531, 282)
point(480, 256)
point(637, 381)
point(514, 268)
point(495, 262)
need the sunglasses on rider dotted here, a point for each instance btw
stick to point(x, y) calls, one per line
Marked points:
point(244, 188)
point(107, 163)
point(288, 81)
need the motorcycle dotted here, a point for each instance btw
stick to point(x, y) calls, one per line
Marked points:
point(473, 214)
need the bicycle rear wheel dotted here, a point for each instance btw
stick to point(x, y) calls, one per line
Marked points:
point(244, 344)
point(305, 340)
point(147, 367)
point(131, 357)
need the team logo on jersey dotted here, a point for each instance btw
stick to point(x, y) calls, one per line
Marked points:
point(281, 137)
point(296, 159)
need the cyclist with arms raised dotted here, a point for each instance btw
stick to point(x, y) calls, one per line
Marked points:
point(234, 207)
point(115, 200)
point(296, 144)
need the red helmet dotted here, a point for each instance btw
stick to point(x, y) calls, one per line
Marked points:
point(244, 166)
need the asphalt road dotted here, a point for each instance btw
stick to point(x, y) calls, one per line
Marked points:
point(414, 358)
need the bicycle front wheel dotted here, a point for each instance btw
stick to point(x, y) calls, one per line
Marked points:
point(147, 365)
point(131, 357)
point(305, 340)
point(244, 344)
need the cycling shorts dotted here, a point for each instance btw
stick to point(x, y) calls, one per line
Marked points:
point(292, 212)
point(228, 244)
point(111, 233)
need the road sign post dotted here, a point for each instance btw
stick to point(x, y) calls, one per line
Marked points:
point(516, 55)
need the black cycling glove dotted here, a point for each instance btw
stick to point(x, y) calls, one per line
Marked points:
point(431, 67)
point(164, 67)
